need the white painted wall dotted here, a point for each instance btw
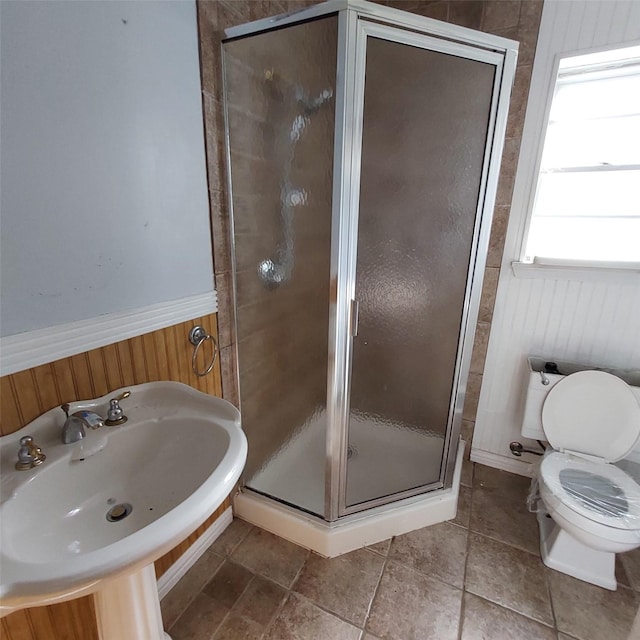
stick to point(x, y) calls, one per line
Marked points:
point(581, 316)
point(104, 191)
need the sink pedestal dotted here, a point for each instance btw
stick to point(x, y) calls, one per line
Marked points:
point(128, 607)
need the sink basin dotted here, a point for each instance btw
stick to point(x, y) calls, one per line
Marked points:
point(171, 465)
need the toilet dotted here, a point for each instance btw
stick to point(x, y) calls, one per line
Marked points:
point(588, 508)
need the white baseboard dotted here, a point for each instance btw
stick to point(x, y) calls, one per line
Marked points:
point(521, 467)
point(170, 578)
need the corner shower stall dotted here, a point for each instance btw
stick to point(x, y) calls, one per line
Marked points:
point(364, 146)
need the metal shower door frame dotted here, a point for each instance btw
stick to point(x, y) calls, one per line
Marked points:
point(353, 32)
point(353, 16)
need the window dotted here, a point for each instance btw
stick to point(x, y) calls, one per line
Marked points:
point(587, 203)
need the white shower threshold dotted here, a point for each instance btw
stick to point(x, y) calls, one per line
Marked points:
point(355, 531)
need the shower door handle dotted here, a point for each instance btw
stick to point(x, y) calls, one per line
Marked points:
point(353, 320)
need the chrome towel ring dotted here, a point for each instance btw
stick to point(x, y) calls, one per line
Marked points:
point(197, 337)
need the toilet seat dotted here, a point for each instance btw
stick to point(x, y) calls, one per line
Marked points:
point(591, 418)
point(594, 413)
point(615, 509)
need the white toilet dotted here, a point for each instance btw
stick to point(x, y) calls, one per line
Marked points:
point(591, 507)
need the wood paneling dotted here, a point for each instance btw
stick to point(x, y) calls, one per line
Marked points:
point(161, 355)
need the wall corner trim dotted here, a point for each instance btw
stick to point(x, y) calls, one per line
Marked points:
point(33, 348)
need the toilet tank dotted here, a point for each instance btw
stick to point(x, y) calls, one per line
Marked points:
point(537, 391)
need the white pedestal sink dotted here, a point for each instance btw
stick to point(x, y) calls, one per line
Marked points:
point(171, 465)
point(128, 608)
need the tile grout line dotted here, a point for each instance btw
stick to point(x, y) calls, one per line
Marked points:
point(195, 595)
point(233, 606)
point(289, 591)
point(507, 608)
point(547, 581)
point(503, 606)
point(377, 589)
point(466, 558)
point(327, 610)
point(225, 557)
point(495, 539)
point(431, 576)
point(509, 544)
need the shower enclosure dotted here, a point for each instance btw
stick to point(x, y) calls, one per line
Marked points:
point(363, 147)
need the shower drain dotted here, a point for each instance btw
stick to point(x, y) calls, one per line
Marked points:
point(119, 512)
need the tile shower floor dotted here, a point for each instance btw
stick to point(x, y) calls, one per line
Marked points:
point(477, 577)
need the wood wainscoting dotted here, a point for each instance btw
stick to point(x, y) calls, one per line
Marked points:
point(160, 355)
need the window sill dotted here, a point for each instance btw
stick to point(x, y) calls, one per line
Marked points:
point(593, 272)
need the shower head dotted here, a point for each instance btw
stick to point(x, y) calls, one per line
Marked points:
point(271, 274)
point(312, 105)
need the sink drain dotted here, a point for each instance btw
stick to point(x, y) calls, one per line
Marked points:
point(119, 512)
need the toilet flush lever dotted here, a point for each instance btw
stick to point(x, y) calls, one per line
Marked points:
point(517, 449)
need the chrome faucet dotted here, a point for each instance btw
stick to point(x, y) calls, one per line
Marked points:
point(75, 424)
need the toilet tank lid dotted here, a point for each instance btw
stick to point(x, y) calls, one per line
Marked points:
point(592, 412)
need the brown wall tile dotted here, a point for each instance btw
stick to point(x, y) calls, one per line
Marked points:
point(438, 9)
point(498, 233)
point(466, 13)
point(472, 396)
point(500, 14)
point(489, 288)
point(519, 95)
point(528, 26)
point(480, 347)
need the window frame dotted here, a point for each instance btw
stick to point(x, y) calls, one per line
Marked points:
point(570, 268)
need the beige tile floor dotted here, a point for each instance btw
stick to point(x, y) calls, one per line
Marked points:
point(478, 577)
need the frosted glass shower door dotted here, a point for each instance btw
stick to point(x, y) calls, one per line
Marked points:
point(279, 95)
point(425, 127)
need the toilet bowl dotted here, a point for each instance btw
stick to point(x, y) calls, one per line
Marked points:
point(591, 508)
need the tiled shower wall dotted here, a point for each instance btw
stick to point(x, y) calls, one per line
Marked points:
point(516, 19)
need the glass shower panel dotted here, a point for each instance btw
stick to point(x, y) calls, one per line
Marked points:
point(279, 91)
point(426, 116)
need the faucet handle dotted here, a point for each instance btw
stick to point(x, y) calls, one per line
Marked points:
point(29, 455)
point(122, 396)
point(115, 415)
